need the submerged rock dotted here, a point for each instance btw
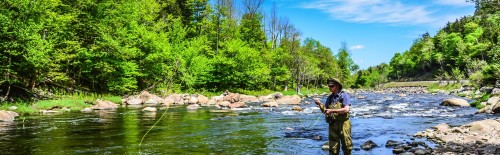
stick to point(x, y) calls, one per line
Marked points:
point(368, 145)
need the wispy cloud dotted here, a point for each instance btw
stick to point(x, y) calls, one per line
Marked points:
point(383, 11)
point(457, 3)
point(356, 47)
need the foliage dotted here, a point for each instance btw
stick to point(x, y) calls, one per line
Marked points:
point(465, 49)
point(126, 46)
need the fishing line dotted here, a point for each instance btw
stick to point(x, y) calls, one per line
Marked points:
point(152, 127)
point(316, 121)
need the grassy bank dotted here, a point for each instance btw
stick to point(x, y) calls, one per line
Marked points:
point(73, 102)
point(78, 102)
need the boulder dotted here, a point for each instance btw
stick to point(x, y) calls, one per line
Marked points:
point(368, 145)
point(270, 104)
point(177, 98)
point(104, 105)
point(443, 127)
point(493, 100)
point(496, 108)
point(150, 109)
point(224, 103)
point(237, 105)
point(297, 108)
point(495, 91)
point(193, 106)
point(145, 95)
point(212, 102)
point(167, 101)
point(134, 101)
point(86, 110)
point(232, 97)
point(392, 143)
point(455, 102)
point(248, 98)
point(193, 100)
point(486, 109)
point(484, 126)
point(295, 99)
point(7, 116)
point(202, 99)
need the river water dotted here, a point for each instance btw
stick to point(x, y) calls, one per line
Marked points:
point(253, 130)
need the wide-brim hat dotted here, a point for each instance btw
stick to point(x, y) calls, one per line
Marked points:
point(334, 81)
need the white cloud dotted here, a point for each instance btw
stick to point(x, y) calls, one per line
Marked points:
point(356, 47)
point(386, 11)
point(457, 3)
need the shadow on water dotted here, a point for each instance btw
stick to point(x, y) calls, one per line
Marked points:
point(254, 130)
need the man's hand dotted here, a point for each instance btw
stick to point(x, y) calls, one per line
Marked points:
point(329, 111)
point(317, 101)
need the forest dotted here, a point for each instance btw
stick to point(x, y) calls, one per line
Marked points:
point(468, 48)
point(126, 46)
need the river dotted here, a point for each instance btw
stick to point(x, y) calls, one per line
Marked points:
point(253, 130)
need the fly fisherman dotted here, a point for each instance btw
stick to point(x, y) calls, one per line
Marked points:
point(337, 117)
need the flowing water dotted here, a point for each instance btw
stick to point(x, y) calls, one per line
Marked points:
point(253, 130)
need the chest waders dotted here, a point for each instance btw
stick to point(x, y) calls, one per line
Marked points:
point(339, 131)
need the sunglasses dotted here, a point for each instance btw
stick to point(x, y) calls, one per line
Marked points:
point(331, 86)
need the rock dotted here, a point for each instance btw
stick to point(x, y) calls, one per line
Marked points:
point(484, 126)
point(167, 101)
point(232, 97)
point(224, 103)
point(104, 105)
point(86, 110)
point(496, 108)
point(443, 127)
point(392, 143)
point(407, 153)
point(455, 102)
point(7, 116)
point(297, 108)
point(150, 109)
point(325, 146)
point(145, 95)
point(193, 106)
point(447, 138)
point(270, 104)
point(212, 102)
point(237, 105)
point(368, 145)
point(134, 101)
point(493, 100)
point(486, 90)
point(289, 100)
point(486, 109)
point(248, 98)
point(398, 150)
point(193, 100)
point(176, 98)
point(202, 99)
point(495, 91)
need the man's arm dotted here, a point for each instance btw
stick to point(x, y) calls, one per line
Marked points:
point(343, 110)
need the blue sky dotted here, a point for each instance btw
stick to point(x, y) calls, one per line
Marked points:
point(374, 30)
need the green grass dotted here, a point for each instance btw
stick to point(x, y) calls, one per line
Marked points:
point(447, 87)
point(73, 102)
point(409, 84)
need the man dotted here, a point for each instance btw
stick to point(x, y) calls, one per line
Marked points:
point(337, 117)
